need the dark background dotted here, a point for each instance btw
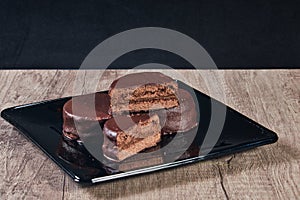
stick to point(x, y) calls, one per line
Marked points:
point(237, 34)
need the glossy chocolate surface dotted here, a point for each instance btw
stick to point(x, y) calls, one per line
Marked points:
point(138, 79)
point(85, 109)
point(183, 117)
point(84, 113)
point(122, 122)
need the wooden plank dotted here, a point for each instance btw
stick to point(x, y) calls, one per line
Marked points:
point(270, 97)
point(272, 171)
point(25, 172)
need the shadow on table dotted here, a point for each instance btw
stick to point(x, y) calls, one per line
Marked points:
point(256, 159)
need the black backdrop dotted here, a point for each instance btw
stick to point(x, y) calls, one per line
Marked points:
point(237, 34)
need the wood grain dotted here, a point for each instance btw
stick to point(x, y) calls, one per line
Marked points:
point(270, 97)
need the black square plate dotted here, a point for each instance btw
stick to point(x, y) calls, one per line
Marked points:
point(42, 123)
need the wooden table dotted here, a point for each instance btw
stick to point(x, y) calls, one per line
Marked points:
point(269, 172)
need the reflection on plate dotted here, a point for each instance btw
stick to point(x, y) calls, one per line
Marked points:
point(74, 153)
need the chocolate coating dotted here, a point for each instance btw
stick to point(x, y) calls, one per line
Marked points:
point(120, 123)
point(142, 92)
point(90, 110)
point(143, 78)
point(84, 108)
point(181, 118)
point(125, 136)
